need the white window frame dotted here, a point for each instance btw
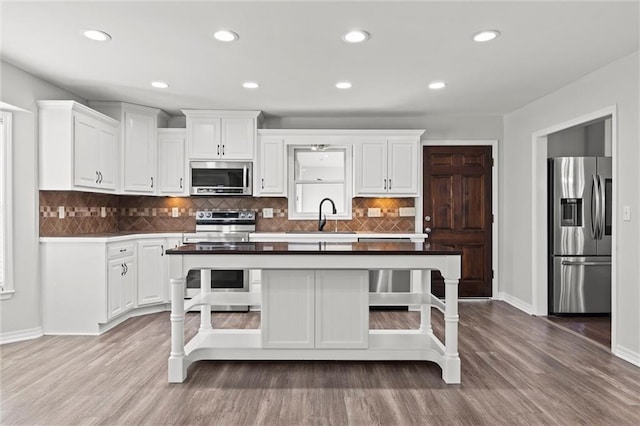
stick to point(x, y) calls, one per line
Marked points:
point(348, 184)
point(6, 202)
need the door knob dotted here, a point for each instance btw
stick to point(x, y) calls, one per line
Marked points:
point(427, 230)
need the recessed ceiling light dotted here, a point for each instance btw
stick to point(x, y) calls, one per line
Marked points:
point(225, 35)
point(356, 36)
point(250, 85)
point(343, 85)
point(160, 84)
point(437, 85)
point(487, 35)
point(96, 35)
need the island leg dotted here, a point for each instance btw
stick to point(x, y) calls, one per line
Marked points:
point(425, 309)
point(177, 365)
point(205, 310)
point(451, 362)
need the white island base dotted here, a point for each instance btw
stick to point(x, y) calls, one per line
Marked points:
point(314, 307)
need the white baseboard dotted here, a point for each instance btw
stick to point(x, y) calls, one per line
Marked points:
point(627, 355)
point(516, 303)
point(20, 335)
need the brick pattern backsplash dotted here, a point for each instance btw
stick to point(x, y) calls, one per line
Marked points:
point(154, 214)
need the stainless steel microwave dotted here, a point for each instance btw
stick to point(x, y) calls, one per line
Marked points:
point(221, 178)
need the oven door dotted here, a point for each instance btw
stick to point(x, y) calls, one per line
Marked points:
point(221, 280)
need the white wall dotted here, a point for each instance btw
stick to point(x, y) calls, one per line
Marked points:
point(22, 313)
point(615, 84)
point(446, 127)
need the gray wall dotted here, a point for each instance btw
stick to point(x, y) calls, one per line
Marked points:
point(18, 88)
point(578, 141)
point(591, 93)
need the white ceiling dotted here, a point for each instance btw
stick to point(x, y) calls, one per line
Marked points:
point(294, 50)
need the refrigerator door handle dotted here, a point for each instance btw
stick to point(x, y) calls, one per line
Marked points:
point(595, 208)
point(603, 206)
point(569, 263)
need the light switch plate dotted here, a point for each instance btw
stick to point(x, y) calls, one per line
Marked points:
point(175, 212)
point(407, 211)
point(267, 213)
point(61, 212)
point(103, 212)
point(626, 213)
point(373, 212)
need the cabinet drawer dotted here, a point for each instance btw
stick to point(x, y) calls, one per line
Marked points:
point(120, 250)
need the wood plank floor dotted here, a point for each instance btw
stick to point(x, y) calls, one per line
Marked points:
point(516, 369)
point(596, 328)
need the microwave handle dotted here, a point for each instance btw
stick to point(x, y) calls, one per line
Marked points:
point(245, 178)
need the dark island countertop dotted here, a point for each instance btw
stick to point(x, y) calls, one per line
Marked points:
point(370, 248)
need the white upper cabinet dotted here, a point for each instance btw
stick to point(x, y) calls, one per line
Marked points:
point(171, 162)
point(387, 165)
point(272, 167)
point(139, 143)
point(78, 148)
point(221, 135)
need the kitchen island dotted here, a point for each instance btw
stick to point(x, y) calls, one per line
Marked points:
point(315, 304)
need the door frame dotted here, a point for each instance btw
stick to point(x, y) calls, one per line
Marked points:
point(419, 224)
point(539, 196)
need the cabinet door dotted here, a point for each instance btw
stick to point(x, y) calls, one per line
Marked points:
point(342, 309)
point(371, 166)
point(287, 309)
point(139, 152)
point(203, 138)
point(171, 164)
point(151, 272)
point(272, 168)
point(86, 160)
point(108, 158)
point(129, 282)
point(238, 138)
point(115, 278)
point(403, 166)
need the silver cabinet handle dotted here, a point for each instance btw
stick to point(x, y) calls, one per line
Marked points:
point(100, 173)
point(570, 263)
point(222, 149)
point(218, 149)
point(152, 181)
point(126, 269)
point(180, 183)
point(262, 183)
point(122, 269)
point(389, 184)
point(385, 184)
point(123, 250)
point(161, 249)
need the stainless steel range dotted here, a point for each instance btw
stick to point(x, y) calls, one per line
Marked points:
point(221, 228)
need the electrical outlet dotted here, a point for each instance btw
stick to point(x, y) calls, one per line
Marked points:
point(626, 213)
point(373, 212)
point(103, 212)
point(175, 212)
point(267, 213)
point(407, 211)
point(61, 212)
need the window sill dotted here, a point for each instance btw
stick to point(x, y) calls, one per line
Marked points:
point(5, 295)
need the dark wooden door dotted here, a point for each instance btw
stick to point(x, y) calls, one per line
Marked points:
point(457, 208)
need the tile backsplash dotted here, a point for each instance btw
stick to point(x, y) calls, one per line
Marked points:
point(83, 213)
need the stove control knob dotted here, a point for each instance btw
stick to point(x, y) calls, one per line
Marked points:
point(200, 215)
point(208, 215)
point(249, 215)
point(242, 215)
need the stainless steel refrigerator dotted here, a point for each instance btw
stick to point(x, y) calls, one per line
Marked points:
point(580, 205)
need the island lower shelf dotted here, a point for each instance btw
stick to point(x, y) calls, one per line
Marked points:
point(315, 313)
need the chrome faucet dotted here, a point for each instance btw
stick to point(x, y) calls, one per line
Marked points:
point(323, 220)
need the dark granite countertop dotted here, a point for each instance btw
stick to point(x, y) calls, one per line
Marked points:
point(376, 248)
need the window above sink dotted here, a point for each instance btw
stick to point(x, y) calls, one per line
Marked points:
point(317, 172)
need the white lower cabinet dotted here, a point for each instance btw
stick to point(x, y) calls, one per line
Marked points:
point(121, 279)
point(315, 309)
point(152, 275)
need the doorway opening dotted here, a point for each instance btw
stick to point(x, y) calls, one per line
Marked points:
point(571, 138)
